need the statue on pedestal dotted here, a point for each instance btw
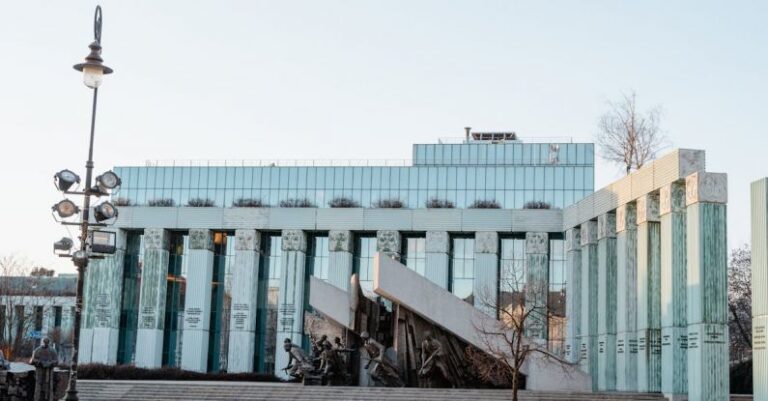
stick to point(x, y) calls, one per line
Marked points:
point(44, 359)
point(380, 368)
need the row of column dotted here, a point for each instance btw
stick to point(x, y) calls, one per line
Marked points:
point(99, 338)
point(647, 293)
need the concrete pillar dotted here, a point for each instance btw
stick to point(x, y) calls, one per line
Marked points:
point(674, 330)
point(707, 309)
point(104, 301)
point(573, 294)
point(437, 257)
point(149, 337)
point(340, 249)
point(290, 307)
point(245, 284)
point(486, 282)
point(606, 302)
point(537, 286)
point(197, 301)
point(588, 343)
point(648, 294)
point(390, 243)
point(626, 297)
point(759, 194)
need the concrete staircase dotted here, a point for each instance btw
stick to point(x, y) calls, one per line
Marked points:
point(191, 391)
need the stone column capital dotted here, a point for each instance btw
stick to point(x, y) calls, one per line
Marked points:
point(200, 238)
point(388, 241)
point(626, 217)
point(294, 240)
point(606, 226)
point(706, 187)
point(157, 238)
point(588, 232)
point(438, 242)
point(247, 240)
point(648, 208)
point(536, 243)
point(573, 239)
point(340, 241)
point(487, 242)
point(672, 198)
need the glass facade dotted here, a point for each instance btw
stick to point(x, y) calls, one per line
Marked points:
point(174, 300)
point(129, 308)
point(415, 253)
point(463, 267)
point(269, 288)
point(512, 272)
point(223, 259)
point(509, 173)
point(318, 257)
point(365, 249)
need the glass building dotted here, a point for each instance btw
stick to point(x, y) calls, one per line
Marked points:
point(220, 287)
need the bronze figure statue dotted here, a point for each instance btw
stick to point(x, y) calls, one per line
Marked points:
point(44, 359)
point(380, 368)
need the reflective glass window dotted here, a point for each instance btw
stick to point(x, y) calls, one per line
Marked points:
point(463, 267)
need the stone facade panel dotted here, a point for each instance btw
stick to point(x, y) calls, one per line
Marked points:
point(437, 242)
point(706, 187)
point(487, 242)
point(247, 240)
point(201, 239)
point(340, 241)
point(294, 240)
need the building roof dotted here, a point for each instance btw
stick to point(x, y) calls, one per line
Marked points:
point(38, 286)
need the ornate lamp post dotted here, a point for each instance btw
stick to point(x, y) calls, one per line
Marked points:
point(93, 243)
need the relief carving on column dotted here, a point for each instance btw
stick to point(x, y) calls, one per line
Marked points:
point(606, 226)
point(672, 198)
point(626, 217)
point(706, 187)
point(437, 242)
point(388, 241)
point(340, 241)
point(200, 239)
point(156, 238)
point(648, 208)
point(537, 243)
point(294, 240)
point(573, 239)
point(486, 242)
point(247, 240)
point(588, 232)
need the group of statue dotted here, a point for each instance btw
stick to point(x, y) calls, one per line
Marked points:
point(329, 362)
point(326, 365)
point(44, 359)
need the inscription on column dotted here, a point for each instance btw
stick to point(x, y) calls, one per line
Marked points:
point(193, 318)
point(758, 337)
point(620, 346)
point(103, 310)
point(286, 312)
point(240, 313)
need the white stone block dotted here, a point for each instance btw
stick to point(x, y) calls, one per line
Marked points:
point(706, 187)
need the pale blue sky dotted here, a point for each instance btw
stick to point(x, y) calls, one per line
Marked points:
point(364, 79)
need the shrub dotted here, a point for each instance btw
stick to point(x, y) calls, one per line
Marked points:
point(95, 371)
point(249, 202)
point(165, 202)
point(536, 205)
point(293, 202)
point(343, 202)
point(485, 204)
point(122, 202)
point(435, 203)
point(200, 202)
point(389, 204)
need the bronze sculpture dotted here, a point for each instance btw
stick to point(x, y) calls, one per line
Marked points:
point(380, 368)
point(44, 359)
point(432, 360)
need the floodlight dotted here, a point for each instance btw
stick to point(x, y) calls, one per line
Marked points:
point(64, 244)
point(103, 242)
point(80, 258)
point(104, 211)
point(66, 208)
point(64, 180)
point(108, 180)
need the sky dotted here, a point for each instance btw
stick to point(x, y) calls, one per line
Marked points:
point(364, 80)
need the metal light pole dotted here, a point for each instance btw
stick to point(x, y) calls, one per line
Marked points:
point(93, 70)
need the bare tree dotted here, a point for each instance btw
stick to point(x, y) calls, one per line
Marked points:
point(740, 302)
point(518, 334)
point(627, 136)
point(40, 271)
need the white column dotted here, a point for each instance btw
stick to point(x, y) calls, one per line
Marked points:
point(707, 309)
point(588, 359)
point(648, 294)
point(485, 286)
point(245, 284)
point(626, 298)
point(573, 294)
point(149, 338)
point(197, 301)
point(437, 257)
point(536, 286)
point(606, 302)
point(340, 259)
point(290, 307)
point(759, 201)
point(674, 330)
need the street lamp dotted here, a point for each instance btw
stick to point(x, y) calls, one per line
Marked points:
point(92, 242)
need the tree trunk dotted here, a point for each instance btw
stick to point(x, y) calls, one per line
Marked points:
point(514, 386)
